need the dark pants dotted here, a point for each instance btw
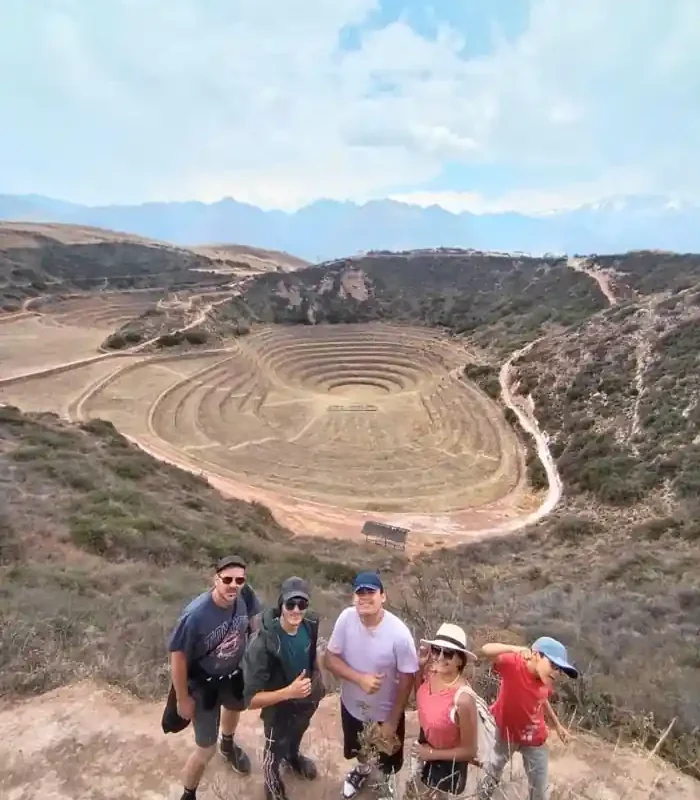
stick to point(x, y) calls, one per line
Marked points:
point(352, 730)
point(284, 731)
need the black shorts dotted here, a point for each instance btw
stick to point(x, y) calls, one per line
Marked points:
point(352, 728)
point(209, 698)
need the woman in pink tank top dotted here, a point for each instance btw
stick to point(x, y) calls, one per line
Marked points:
point(447, 715)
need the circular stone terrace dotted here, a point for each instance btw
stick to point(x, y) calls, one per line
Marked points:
point(329, 426)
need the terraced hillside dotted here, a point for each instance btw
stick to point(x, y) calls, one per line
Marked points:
point(374, 418)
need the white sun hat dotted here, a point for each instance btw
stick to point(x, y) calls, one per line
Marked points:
point(450, 637)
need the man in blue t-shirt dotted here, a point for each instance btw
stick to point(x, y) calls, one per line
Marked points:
point(206, 649)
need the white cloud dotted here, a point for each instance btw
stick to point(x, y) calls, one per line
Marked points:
point(150, 99)
point(530, 201)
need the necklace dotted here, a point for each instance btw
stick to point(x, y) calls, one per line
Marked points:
point(450, 684)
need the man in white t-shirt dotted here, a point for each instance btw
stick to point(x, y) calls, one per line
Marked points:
point(373, 653)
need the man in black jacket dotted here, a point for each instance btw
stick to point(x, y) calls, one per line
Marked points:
point(281, 676)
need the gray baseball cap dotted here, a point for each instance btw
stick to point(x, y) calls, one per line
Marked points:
point(294, 587)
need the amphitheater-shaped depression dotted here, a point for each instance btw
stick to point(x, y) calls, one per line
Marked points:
point(370, 417)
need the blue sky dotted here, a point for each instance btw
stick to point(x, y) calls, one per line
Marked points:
point(482, 105)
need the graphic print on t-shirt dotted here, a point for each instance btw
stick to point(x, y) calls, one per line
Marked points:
point(213, 636)
point(231, 642)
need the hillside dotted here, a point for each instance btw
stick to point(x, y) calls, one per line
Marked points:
point(101, 545)
point(234, 256)
point(618, 394)
point(497, 300)
point(330, 229)
point(38, 259)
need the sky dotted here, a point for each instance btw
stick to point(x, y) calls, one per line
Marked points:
point(479, 105)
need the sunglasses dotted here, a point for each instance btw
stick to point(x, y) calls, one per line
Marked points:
point(228, 580)
point(296, 602)
point(363, 591)
point(448, 655)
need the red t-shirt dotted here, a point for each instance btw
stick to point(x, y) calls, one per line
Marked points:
point(519, 707)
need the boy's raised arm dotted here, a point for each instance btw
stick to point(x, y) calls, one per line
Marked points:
point(495, 649)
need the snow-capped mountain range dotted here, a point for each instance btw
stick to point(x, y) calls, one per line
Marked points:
point(329, 229)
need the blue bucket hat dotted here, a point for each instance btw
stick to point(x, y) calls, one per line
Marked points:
point(556, 653)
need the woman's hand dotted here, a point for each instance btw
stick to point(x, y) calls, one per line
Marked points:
point(422, 751)
point(423, 655)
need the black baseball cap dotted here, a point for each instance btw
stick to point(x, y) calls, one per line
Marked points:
point(230, 561)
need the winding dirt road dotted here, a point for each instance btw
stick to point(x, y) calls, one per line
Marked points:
point(529, 423)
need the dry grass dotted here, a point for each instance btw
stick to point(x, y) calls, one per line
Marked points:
point(626, 608)
point(101, 546)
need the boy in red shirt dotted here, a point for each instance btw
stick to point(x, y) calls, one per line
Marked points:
point(527, 678)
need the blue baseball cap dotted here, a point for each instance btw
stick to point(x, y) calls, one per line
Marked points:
point(367, 580)
point(556, 653)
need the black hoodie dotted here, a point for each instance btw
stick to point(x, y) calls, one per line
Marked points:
point(263, 670)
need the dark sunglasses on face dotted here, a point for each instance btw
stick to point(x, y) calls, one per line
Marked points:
point(228, 579)
point(448, 655)
point(296, 602)
point(365, 591)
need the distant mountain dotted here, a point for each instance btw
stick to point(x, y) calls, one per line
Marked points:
point(329, 229)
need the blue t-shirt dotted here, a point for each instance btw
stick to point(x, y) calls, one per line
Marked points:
point(222, 632)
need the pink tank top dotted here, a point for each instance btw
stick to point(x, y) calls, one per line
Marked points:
point(435, 717)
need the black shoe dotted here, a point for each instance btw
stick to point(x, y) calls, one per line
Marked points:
point(237, 759)
point(189, 794)
point(303, 766)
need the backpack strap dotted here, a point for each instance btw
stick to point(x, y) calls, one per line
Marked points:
point(248, 596)
point(462, 690)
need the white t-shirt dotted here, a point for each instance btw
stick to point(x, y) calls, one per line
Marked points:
point(389, 649)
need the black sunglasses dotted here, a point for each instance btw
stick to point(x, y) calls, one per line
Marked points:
point(363, 590)
point(228, 579)
point(296, 602)
point(448, 655)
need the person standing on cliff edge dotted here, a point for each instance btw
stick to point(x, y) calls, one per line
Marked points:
point(206, 649)
point(373, 653)
point(282, 678)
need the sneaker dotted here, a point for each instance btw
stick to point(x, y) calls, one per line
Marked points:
point(237, 759)
point(354, 782)
point(303, 766)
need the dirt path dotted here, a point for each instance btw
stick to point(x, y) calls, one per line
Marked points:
point(84, 742)
point(528, 422)
point(603, 280)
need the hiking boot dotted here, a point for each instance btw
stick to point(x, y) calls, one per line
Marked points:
point(355, 782)
point(303, 766)
point(236, 757)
